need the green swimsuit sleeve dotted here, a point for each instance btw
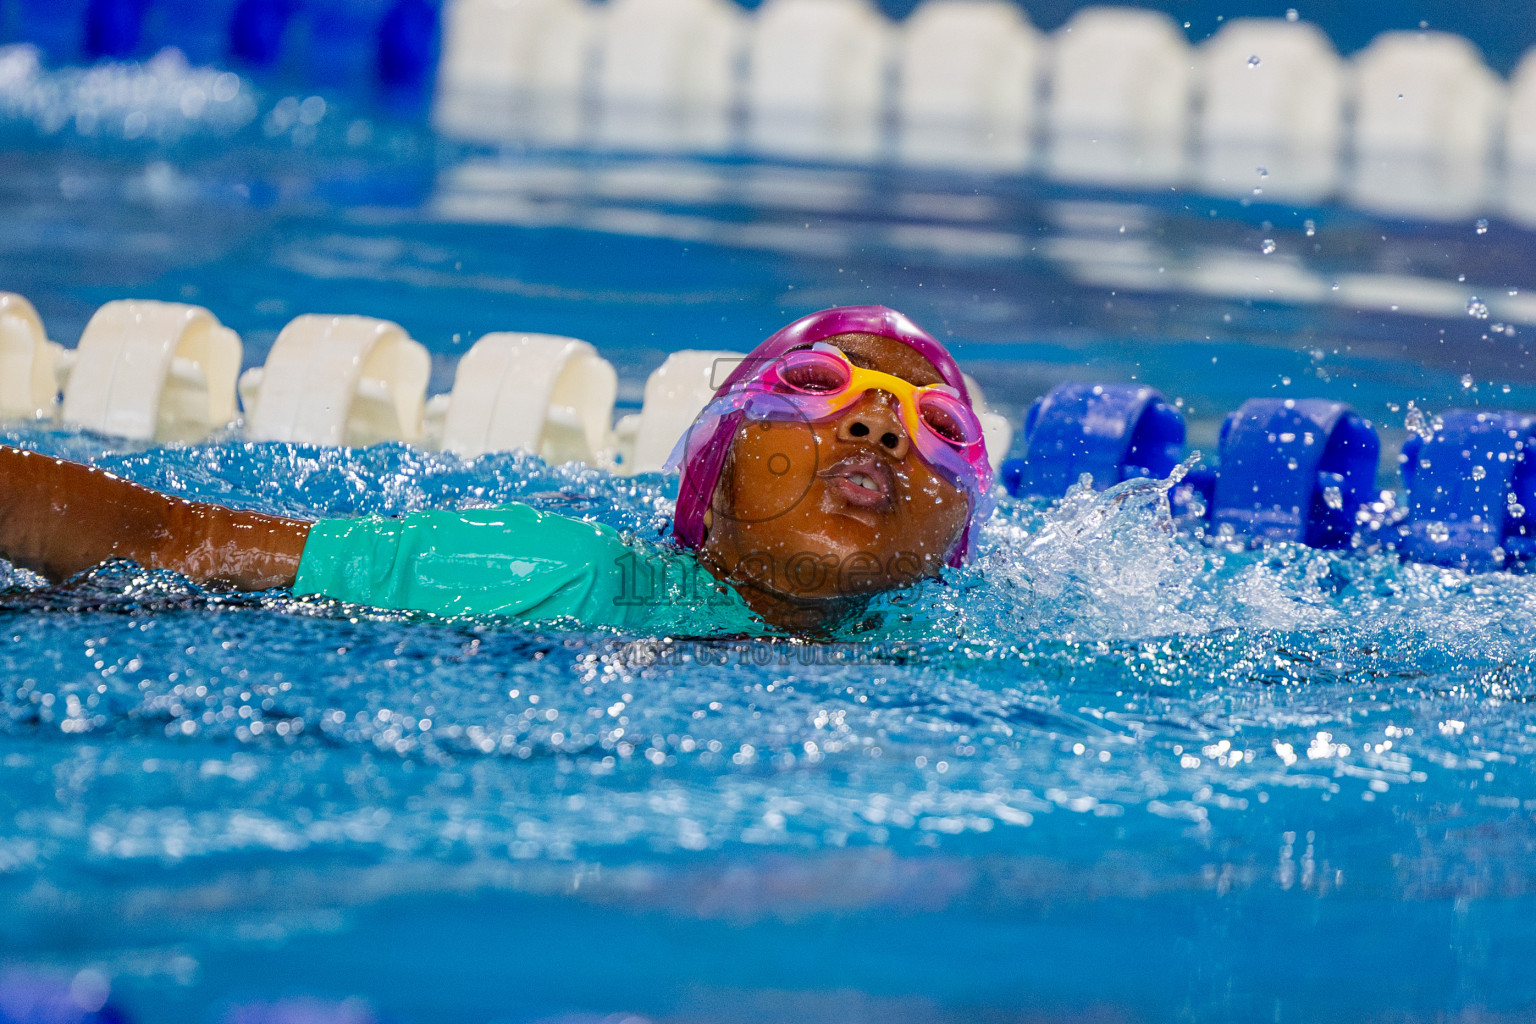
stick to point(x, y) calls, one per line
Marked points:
point(512, 561)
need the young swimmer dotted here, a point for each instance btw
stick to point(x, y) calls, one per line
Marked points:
point(840, 459)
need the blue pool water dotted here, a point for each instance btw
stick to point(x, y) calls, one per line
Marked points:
point(1111, 772)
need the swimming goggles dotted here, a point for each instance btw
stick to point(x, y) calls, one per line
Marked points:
point(818, 383)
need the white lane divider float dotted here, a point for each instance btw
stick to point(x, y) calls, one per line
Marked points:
point(1121, 87)
point(338, 380)
point(1415, 121)
point(162, 371)
point(969, 72)
point(667, 73)
point(539, 393)
point(816, 79)
point(675, 392)
point(29, 362)
point(1520, 141)
point(515, 68)
point(1272, 116)
point(166, 371)
point(1428, 113)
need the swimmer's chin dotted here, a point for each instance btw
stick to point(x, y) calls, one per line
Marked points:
point(795, 614)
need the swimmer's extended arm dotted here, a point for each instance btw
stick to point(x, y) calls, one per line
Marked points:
point(58, 518)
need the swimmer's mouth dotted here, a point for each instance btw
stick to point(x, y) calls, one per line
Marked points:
point(863, 481)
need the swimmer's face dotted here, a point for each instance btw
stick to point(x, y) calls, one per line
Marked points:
point(837, 509)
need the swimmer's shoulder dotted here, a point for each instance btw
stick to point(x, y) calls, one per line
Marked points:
point(519, 561)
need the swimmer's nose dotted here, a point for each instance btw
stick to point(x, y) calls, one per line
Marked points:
point(874, 420)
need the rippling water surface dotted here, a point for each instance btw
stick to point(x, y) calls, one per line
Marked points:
point(1111, 767)
point(1113, 771)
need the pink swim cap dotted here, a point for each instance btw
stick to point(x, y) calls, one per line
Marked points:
point(703, 451)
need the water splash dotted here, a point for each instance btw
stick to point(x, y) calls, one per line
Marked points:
point(1101, 565)
point(1415, 422)
point(162, 99)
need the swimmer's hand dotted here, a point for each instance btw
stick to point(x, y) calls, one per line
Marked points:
point(58, 518)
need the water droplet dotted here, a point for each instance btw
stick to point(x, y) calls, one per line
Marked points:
point(1477, 308)
point(1437, 531)
point(1291, 14)
point(1253, 61)
point(1482, 225)
point(1263, 171)
point(1461, 277)
point(1269, 247)
point(1311, 227)
point(1333, 497)
point(1466, 380)
point(1478, 472)
point(1505, 389)
point(1516, 510)
point(1416, 422)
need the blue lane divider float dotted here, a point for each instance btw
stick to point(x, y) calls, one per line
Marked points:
point(256, 31)
point(407, 45)
point(391, 44)
point(113, 27)
point(1287, 469)
point(1471, 491)
point(1114, 432)
point(1294, 469)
